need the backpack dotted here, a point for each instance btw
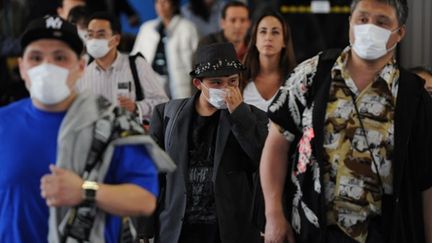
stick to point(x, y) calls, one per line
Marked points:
point(138, 88)
point(325, 63)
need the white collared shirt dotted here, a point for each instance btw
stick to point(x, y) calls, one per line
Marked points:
point(117, 80)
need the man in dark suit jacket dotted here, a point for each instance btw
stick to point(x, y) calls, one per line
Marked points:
point(235, 24)
point(216, 141)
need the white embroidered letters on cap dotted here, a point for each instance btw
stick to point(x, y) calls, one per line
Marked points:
point(53, 22)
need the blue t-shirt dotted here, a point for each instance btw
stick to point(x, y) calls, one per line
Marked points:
point(28, 145)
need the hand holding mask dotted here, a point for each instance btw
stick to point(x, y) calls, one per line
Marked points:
point(233, 98)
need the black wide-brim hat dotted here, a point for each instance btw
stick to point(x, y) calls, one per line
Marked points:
point(216, 60)
point(52, 27)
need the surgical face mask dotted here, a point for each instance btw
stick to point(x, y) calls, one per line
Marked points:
point(97, 48)
point(49, 83)
point(216, 97)
point(371, 41)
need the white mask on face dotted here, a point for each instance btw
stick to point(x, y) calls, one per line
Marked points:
point(371, 41)
point(49, 83)
point(217, 97)
point(97, 48)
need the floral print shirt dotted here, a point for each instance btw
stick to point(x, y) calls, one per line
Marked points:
point(350, 181)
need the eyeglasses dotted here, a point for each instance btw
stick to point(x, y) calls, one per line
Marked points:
point(100, 34)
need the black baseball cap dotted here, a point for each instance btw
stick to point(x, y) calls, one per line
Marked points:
point(52, 27)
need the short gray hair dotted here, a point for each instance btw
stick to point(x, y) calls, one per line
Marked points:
point(400, 6)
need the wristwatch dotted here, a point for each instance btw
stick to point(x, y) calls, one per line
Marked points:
point(89, 191)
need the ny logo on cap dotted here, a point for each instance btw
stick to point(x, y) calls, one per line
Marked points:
point(53, 22)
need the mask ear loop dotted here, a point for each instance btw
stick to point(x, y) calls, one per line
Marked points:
point(208, 98)
point(111, 39)
point(394, 46)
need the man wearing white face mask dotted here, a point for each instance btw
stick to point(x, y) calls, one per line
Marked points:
point(350, 142)
point(216, 140)
point(110, 74)
point(72, 164)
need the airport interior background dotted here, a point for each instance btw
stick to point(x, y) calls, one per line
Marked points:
point(315, 24)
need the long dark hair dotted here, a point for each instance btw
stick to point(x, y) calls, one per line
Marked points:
point(251, 60)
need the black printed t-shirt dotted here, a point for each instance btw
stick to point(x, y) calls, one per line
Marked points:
point(200, 206)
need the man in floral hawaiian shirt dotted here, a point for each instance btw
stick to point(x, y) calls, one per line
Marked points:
point(359, 172)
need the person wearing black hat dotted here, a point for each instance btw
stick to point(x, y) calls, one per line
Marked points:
point(216, 141)
point(92, 180)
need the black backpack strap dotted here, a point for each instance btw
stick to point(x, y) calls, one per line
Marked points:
point(326, 61)
point(138, 88)
point(90, 60)
point(320, 93)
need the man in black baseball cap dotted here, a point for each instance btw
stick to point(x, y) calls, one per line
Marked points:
point(52, 27)
point(216, 140)
point(81, 196)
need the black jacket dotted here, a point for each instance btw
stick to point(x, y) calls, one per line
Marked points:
point(412, 160)
point(239, 141)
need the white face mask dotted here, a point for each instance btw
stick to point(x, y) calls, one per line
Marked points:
point(217, 97)
point(371, 41)
point(49, 83)
point(97, 48)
